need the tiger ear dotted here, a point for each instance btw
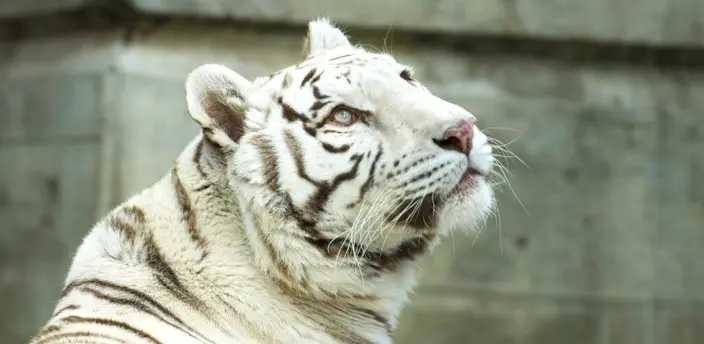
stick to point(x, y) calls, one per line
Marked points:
point(323, 36)
point(216, 101)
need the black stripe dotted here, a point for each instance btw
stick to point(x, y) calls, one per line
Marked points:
point(196, 159)
point(290, 114)
point(318, 105)
point(406, 251)
point(187, 212)
point(135, 212)
point(295, 150)
point(310, 130)
point(332, 131)
point(341, 57)
point(332, 247)
point(203, 187)
point(73, 319)
point(376, 316)
point(74, 335)
point(332, 149)
point(419, 212)
point(269, 162)
point(132, 292)
point(317, 94)
point(324, 189)
point(156, 261)
point(286, 81)
point(276, 261)
point(368, 183)
point(378, 260)
point(134, 303)
point(208, 133)
point(69, 287)
point(122, 226)
point(320, 198)
point(308, 77)
point(44, 331)
point(67, 308)
point(317, 77)
point(339, 330)
point(188, 299)
point(178, 291)
point(165, 275)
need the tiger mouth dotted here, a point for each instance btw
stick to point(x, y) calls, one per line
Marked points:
point(468, 179)
point(422, 212)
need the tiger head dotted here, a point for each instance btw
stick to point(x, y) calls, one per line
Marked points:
point(343, 158)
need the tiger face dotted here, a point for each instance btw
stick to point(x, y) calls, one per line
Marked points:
point(348, 146)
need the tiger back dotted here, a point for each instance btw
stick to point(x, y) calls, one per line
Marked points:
point(298, 215)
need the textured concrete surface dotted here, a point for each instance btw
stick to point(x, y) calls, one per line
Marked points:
point(50, 149)
point(47, 203)
point(662, 22)
point(607, 249)
point(652, 21)
point(14, 9)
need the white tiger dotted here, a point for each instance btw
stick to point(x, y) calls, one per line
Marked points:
point(297, 216)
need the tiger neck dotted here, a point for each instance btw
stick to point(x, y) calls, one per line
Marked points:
point(299, 264)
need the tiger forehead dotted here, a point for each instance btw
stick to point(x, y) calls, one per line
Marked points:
point(350, 59)
point(344, 62)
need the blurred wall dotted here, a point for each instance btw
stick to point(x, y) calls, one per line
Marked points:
point(606, 99)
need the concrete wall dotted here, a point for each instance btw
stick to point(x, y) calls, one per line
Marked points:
point(607, 249)
point(654, 22)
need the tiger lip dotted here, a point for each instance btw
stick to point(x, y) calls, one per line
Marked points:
point(467, 179)
point(469, 175)
point(474, 172)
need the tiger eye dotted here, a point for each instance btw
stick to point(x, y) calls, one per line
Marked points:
point(343, 116)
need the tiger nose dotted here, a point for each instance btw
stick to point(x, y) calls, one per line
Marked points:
point(458, 137)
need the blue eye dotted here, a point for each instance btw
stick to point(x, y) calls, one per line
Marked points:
point(343, 116)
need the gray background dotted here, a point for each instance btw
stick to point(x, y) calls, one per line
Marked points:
point(605, 99)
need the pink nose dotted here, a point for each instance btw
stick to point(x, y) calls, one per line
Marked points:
point(458, 137)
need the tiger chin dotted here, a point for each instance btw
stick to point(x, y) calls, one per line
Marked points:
point(298, 215)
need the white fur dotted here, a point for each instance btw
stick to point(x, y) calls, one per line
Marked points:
point(243, 295)
point(324, 37)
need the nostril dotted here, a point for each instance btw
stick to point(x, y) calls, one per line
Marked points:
point(457, 138)
point(451, 143)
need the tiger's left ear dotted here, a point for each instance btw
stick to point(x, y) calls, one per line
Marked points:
point(323, 36)
point(216, 98)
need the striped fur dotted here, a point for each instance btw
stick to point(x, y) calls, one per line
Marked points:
point(298, 216)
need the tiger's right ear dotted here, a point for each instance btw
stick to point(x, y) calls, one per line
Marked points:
point(216, 98)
